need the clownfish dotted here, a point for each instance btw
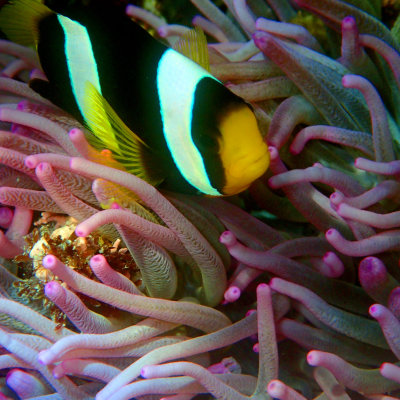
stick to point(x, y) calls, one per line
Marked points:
point(163, 116)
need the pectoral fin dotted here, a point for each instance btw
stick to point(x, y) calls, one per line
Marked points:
point(110, 132)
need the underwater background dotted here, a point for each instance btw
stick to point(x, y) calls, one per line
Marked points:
point(114, 289)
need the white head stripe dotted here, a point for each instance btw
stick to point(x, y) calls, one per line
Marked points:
point(82, 65)
point(177, 78)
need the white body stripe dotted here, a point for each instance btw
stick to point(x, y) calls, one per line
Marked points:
point(177, 77)
point(82, 65)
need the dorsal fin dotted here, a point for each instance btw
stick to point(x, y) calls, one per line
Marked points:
point(19, 20)
point(110, 132)
point(193, 45)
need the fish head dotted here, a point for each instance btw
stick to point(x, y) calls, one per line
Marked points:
point(242, 149)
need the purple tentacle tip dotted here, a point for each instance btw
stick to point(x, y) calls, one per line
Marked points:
point(232, 294)
point(49, 261)
point(52, 288)
point(376, 311)
point(43, 168)
point(44, 357)
point(145, 372)
point(96, 260)
point(74, 132)
point(31, 162)
point(348, 21)
point(228, 238)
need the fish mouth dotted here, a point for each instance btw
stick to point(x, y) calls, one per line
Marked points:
point(246, 166)
point(245, 171)
point(261, 158)
point(260, 163)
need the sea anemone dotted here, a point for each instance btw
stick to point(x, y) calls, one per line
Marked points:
point(114, 289)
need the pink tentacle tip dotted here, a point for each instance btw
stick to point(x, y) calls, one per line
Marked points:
point(145, 372)
point(348, 22)
point(58, 371)
point(274, 283)
point(80, 232)
point(358, 162)
point(313, 358)
point(228, 238)
point(275, 388)
point(335, 264)
point(332, 235)
point(10, 374)
point(74, 132)
point(272, 183)
point(52, 288)
point(232, 294)
point(256, 348)
point(96, 260)
point(115, 206)
point(295, 150)
point(259, 38)
point(263, 288)
point(376, 310)
point(43, 167)
point(49, 261)
point(6, 216)
point(218, 368)
point(346, 80)
point(336, 198)
point(162, 31)
point(31, 162)
point(44, 357)
point(369, 264)
point(248, 313)
point(339, 208)
point(330, 232)
point(5, 213)
point(259, 23)
point(273, 152)
point(384, 367)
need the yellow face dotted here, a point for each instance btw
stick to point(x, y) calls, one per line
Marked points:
point(243, 152)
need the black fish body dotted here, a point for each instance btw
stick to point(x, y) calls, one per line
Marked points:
point(161, 114)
